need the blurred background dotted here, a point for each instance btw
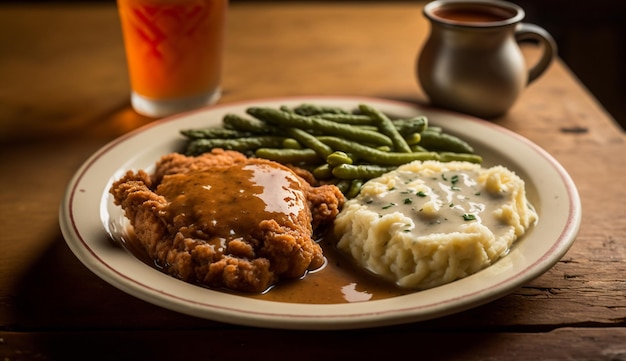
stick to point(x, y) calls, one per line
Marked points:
point(590, 36)
point(592, 42)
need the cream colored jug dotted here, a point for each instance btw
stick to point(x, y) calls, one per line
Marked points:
point(472, 62)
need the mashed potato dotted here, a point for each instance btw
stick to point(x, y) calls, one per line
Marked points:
point(430, 223)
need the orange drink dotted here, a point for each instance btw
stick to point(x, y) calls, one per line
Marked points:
point(174, 53)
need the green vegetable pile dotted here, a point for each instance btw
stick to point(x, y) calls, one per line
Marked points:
point(342, 147)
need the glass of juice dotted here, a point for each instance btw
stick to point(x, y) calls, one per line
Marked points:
point(174, 53)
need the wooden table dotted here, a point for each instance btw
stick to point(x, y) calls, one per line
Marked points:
point(65, 93)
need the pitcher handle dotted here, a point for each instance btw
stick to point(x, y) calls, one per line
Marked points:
point(526, 31)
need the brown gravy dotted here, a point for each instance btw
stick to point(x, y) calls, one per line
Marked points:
point(210, 200)
point(339, 281)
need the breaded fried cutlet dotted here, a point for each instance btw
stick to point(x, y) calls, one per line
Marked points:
point(227, 221)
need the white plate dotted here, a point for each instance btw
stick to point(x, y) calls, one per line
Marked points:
point(88, 219)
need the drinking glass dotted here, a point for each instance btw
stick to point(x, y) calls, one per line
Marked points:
point(174, 53)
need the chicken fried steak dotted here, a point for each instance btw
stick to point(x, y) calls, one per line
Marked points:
point(224, 220)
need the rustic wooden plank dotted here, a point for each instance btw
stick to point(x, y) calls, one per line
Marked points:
point(585, 344)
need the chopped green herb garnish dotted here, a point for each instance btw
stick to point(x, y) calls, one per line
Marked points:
point(455, 178)
point(421, 194)
point(455, 188)
point(389, 205)
point(469, 217)
point(407, 201)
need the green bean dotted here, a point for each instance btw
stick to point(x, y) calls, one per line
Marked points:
point(413, 139)
point(444, 142)
point(353, 119)
point(344, 185)
point(373, 128)
point(199, 146)
point(416, 148)
point(288, 156)
point(323, 172)
point(208, 133)
point(355, 188)
point(376, 156)
point(312, 109)
point(236, 122)
point(337, 158)
point(463, 157)
point(290, 143)
point(310, 141)
point(413, 125)
point(362, 171)
point(386, 127)
point(282, 119)
point(434, 129)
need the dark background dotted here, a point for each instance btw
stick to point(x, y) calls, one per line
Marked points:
point(590, 36)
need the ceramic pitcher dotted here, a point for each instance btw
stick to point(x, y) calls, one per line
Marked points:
point(472, 62)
